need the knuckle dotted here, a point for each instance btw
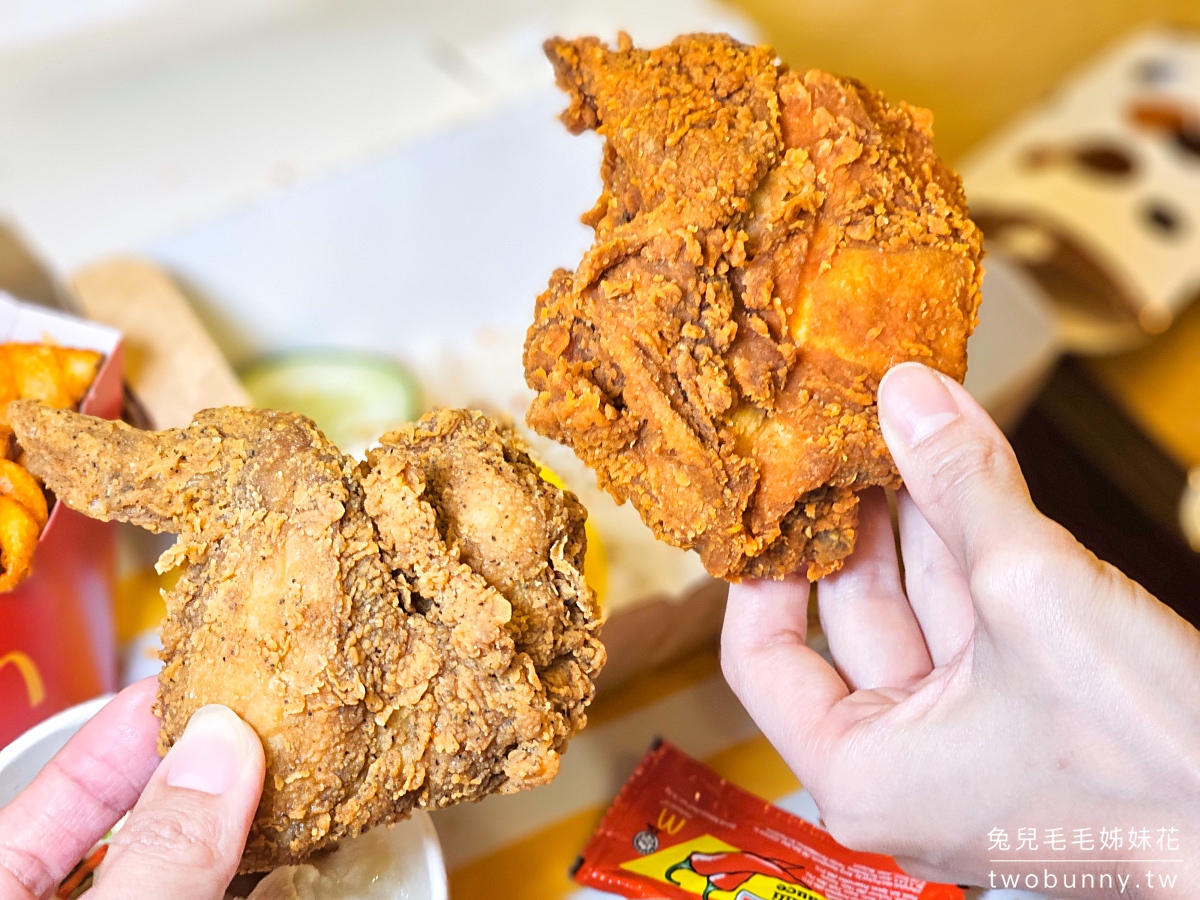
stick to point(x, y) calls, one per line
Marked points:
point(855, 830)
point(846, 830)
point(955, 464)
point(179, 838)
point(99, 780)
point(1005, 569)
point(745, 659)
point(1019, 582)
point(740, 643)
point(23, 873)
point(731, 663)
point(1106, 580)
point(849, 812)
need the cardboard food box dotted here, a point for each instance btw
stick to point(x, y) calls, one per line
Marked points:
point(1095, 191)
point(56, 628)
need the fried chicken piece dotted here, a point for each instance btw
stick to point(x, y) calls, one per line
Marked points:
point(410, 632)
point(768, 243)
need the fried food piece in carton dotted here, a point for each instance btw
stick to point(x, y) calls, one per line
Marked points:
point(58, 377)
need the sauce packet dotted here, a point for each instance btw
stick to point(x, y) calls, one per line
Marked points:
point(679, 830)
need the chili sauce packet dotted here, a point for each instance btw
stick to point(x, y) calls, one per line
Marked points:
point(679, 830)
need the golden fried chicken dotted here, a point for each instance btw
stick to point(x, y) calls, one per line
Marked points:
point(768, 243)
point(410, 632)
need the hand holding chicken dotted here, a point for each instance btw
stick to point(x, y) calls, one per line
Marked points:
point(410, 632)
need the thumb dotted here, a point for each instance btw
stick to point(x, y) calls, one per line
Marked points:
point(185, 836)
point(958, 468)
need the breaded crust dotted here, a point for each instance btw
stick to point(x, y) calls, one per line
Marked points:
point(410, 632)
point(768, 243)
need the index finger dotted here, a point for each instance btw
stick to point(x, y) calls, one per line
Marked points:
point(79, 795)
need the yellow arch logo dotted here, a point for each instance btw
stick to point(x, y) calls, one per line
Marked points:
point(29, 671)
point(668, 823)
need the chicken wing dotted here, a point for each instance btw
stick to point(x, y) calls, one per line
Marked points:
point(411, 632)
point(767, 244)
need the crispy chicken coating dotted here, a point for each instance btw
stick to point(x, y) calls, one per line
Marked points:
point(768, 243)
point(411, 632)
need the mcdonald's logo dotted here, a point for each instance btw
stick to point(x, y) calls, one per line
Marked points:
point(668, 823)
point(29, 672)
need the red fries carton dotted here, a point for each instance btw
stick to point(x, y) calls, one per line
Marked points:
point(679, 830)
point(57, 642)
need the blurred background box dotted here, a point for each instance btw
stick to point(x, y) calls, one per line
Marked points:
point(1095, 193)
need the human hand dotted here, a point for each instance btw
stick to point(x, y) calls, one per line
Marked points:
point(191, 810)
point(1006, 680)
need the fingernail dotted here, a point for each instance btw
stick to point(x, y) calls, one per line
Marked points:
point(210, 754)
point(914, 403)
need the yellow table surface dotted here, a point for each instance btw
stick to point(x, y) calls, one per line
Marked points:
point(1159, 387)
point(975, 63)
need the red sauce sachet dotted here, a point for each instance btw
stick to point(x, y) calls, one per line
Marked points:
point(679, 830)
